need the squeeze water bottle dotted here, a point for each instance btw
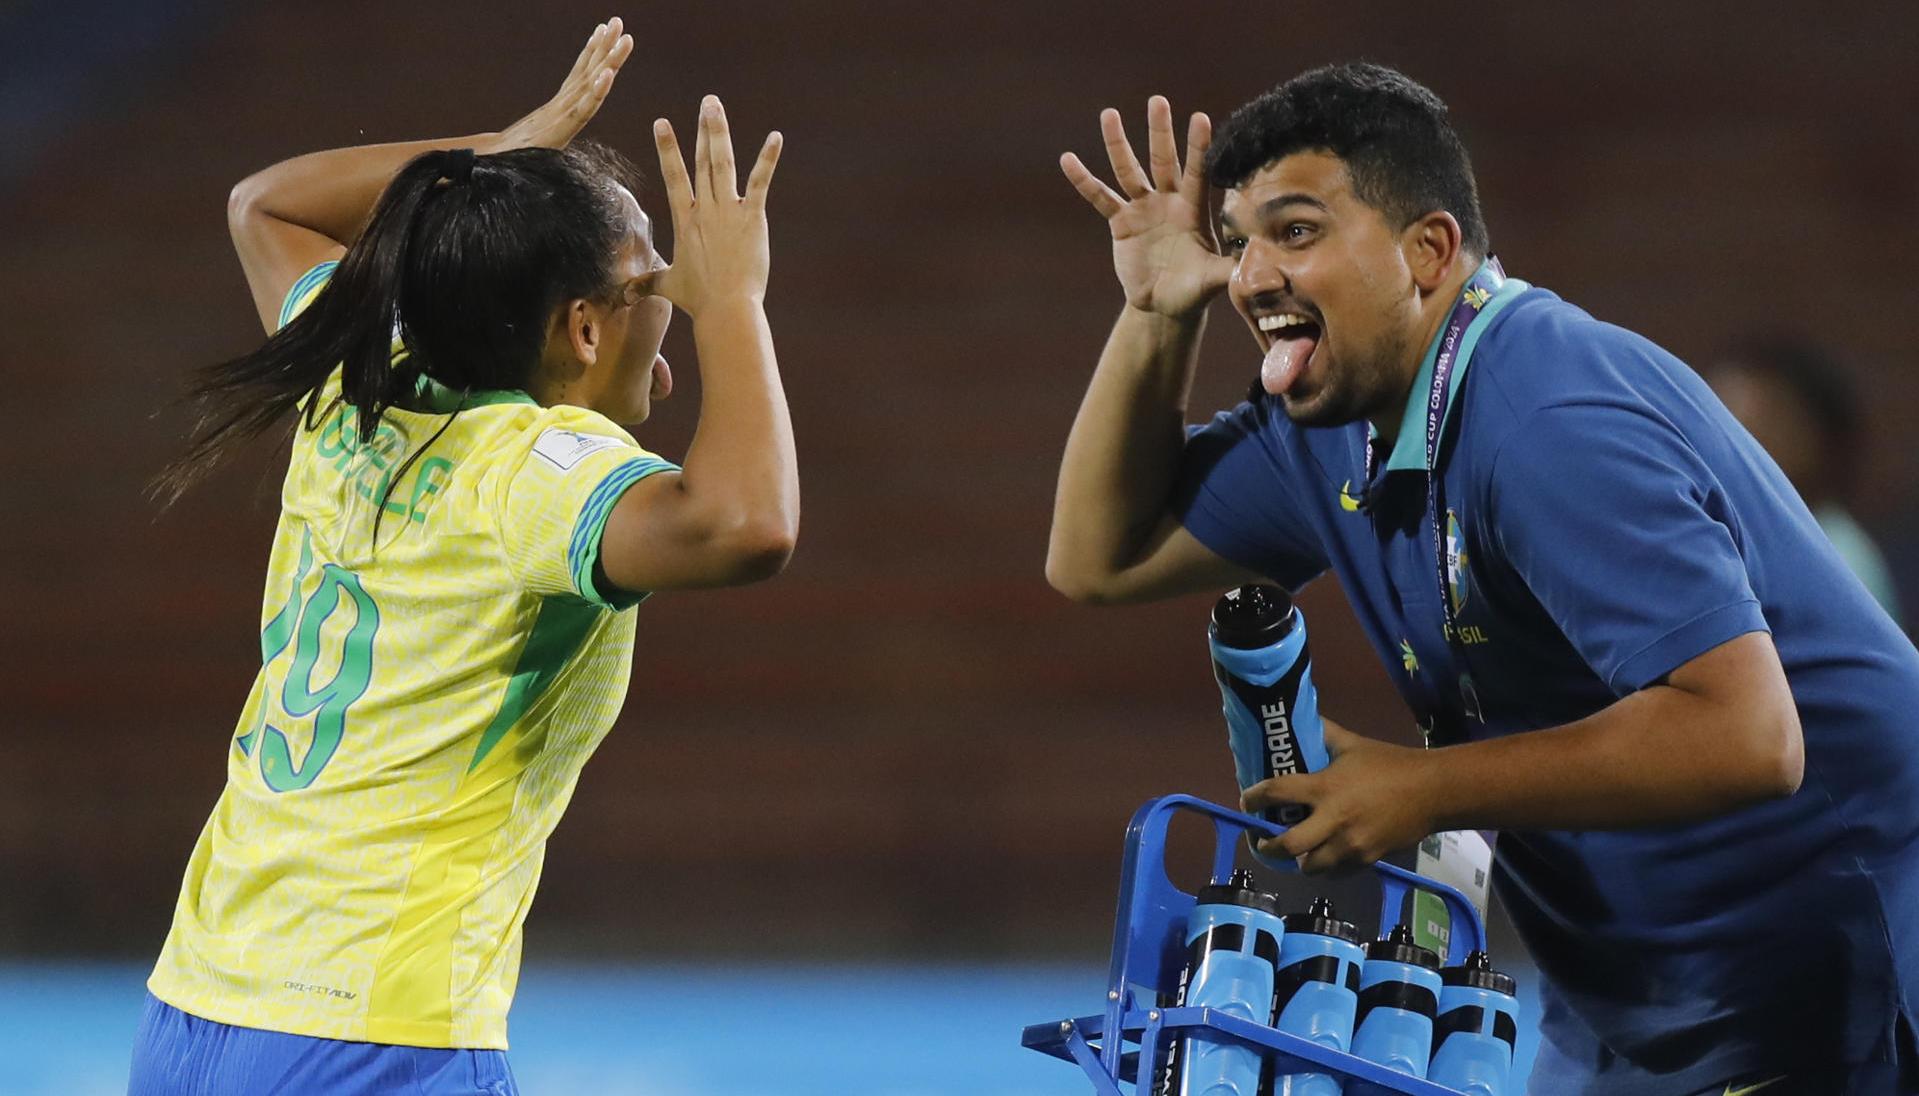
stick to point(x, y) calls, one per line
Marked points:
point(1264, 670)
point(1316, 995)
point(1477, 1025)
point(1233, 941)
point(1399, 988)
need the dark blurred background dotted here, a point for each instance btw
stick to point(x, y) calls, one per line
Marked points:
point(906, 746)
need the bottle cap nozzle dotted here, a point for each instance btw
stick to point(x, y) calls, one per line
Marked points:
point(1398, 946)
point(1239, 889)
point(1477, 971)
point(1320, 920)
point(1253, 616)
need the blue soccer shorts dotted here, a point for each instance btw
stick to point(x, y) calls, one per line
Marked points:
point(178, 1054)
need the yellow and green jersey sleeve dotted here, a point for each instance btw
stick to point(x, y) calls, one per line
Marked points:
point(304, 289)
point(553, 507)
point(423, 708)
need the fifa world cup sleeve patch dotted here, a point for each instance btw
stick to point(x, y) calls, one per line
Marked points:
point(565, 448)
point(554, 502)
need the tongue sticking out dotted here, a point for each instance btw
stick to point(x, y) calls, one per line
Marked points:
point(662, 381)
point(1286, 361)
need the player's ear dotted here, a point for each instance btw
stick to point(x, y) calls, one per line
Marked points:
point(1431, 244)
point(583, 330)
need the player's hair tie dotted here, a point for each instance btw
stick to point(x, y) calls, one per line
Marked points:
point(456, 165)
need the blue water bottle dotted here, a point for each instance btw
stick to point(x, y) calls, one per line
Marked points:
point(1265, 677)
point(1317, 992)
point(1398, 997)
point(1474, 1032)
point(1233, 943)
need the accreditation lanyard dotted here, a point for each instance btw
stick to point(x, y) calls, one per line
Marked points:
point(1479, 291)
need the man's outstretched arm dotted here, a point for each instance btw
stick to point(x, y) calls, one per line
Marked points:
point(1114, 538)
point(1719, 733)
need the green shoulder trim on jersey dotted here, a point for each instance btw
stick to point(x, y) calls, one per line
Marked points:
point(583, 553)
point(558, 631)
point(304, 289)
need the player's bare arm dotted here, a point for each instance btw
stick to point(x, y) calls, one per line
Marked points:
point(1721, 732)
point(1114, 539)
point(731, 516)
point(304, 211)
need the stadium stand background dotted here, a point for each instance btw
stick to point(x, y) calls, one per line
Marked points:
point(907, 746)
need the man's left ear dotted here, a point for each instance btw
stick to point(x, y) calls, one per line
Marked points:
point(583, 330)
point(1432, 245)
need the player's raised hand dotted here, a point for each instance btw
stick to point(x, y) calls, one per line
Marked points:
point(1163, 246)
point(719, 236)
point(557, 121)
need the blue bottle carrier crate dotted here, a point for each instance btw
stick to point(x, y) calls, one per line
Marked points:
point(1148, 954)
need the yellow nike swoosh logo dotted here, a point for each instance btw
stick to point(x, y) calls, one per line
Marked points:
point(1742, 1090)
point(1346, 500)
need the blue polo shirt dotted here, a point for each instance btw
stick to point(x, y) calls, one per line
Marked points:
point(1606, 520)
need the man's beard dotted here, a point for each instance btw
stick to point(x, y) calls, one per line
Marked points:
point(1361, 388)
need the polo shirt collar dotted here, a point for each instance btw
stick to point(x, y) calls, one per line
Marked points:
point(1409, 448)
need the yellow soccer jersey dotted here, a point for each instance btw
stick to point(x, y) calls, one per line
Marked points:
point(422, 712)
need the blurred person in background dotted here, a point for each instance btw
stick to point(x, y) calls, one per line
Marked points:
point(1803, 408)
point(1634, 651)
point(459, 328)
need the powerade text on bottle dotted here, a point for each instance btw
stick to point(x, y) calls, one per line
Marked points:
point(1474, 1032)
point(1265, 679)
point(1398, 996)
point(1317, 991)
point(1232, 941)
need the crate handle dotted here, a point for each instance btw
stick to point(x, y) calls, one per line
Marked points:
point(1146, 940)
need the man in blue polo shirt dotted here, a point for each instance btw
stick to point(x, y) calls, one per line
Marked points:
point(1635, 654)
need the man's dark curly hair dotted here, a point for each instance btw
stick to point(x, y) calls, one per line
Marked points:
point(1393, 134)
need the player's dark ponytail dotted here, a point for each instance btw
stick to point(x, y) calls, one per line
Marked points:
point(462, 260)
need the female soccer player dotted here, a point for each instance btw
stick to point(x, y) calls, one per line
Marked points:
point(448, 625)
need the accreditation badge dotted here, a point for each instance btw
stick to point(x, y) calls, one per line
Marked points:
point(1461, 859)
